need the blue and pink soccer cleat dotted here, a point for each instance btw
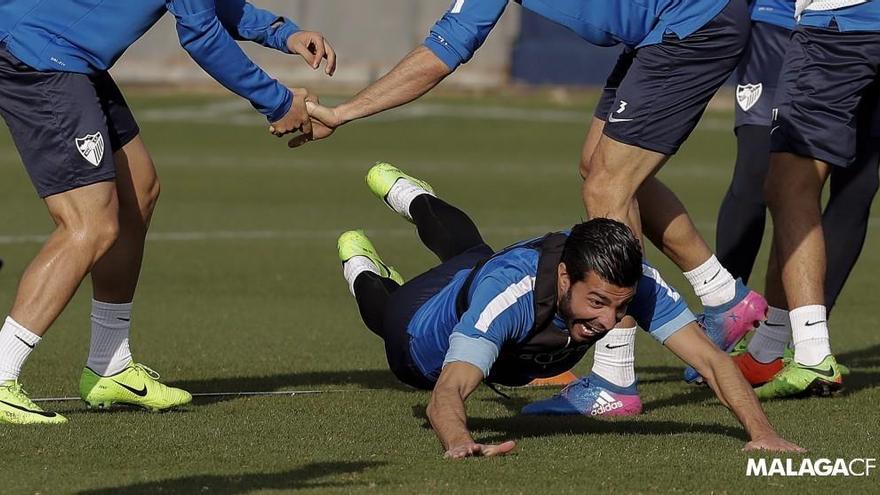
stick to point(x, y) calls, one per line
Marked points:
point(590, 396)
point(725, 325)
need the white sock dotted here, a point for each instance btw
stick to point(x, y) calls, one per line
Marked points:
point(771, 337)
point(109, 352)
point(356, 265)
point(712, 283)
point(16, 344)
point(401, 195)
point(614, 356)
point(809, 331)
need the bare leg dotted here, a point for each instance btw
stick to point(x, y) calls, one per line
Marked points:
point(86, 222)
point(115, 275)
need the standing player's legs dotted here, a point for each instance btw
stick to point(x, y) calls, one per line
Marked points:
point(639, 134)
point(825, 78)
point(847, 213)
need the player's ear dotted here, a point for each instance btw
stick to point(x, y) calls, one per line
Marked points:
point(562, 278)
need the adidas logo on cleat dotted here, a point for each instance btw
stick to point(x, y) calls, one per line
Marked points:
point(605, 403)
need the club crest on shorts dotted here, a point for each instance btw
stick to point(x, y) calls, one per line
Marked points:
point(748, 94)
point(91, 147)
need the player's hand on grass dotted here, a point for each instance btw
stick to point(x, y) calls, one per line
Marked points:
point(773, 444)
point(479, 450)
point(325, 120)
point(313, 47)
point(297, 118)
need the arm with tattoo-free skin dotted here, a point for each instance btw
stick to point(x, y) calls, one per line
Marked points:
point(414, 76)
point(447, 414)
point(725, 379)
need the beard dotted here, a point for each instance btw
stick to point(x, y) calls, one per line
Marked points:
point(567, 315)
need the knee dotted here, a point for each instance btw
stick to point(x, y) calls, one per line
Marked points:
point(94, 235)
point(585, 166)
point(149, 198)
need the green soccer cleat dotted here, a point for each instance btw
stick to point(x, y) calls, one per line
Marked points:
point(17, 409)
point(383, 176)
point(136, 385)
point(798, 380)
point(355, 243)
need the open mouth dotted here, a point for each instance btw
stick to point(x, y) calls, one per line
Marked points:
point(585, 330)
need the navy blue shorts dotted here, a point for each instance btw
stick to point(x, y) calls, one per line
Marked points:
point(758, 74)
point(656, 94)
point(403, 304)
point(65, 125)
point(827, 95)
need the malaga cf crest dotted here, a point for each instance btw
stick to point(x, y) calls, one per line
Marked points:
point(747, 95)
point(91, 147)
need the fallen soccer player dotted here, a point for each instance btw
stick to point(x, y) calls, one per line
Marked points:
point(529, 311)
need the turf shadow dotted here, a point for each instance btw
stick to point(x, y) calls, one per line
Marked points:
point(306, 477)
point(548, 426)
point(367, 379)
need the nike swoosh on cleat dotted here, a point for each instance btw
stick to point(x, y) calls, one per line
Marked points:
point(608, 346)
point(713, 277)
point(811, 323)
point(140, 393)
point(41, 413)
point(829, 372)
point(25, 343)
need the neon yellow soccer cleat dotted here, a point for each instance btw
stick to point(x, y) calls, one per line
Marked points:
point(382, 177)
point(136, 385)
point(17, 409)
point(355, 243)
point(798, 380)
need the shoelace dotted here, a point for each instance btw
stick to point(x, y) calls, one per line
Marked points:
point(142, 368)
point(19, 393)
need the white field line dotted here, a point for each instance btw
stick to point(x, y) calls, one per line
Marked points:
point(313, 234)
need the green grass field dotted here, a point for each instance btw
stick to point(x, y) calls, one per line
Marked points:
point(242, 291)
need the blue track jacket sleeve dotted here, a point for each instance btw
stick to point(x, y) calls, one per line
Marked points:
point(246, 22)
point(207, 41)
point(463, 29)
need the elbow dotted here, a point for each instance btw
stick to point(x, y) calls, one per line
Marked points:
point(709, 363)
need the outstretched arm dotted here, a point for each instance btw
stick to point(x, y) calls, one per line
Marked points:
point(453, 41)
point(447, 415)
point(725, 379)
point(212, 47)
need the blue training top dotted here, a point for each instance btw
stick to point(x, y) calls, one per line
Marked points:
point(501, 310)
point(634, 23)
point(862, 17)
point(777, 12)
point(88, 36)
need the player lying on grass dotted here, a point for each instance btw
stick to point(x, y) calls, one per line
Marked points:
point(529, 311)
point(677, 54)
point(82, 149)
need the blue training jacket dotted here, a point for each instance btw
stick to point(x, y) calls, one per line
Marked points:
point(501, 310)
point(88, 36)
point(634, 23)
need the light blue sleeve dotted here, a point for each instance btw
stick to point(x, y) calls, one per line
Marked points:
point(213, 48)
point(463, 29)
point(246, 22)
point(501, 311)
point(657, 307)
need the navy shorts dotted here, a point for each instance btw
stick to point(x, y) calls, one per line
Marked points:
point(403, 304)
point(65, 125)
point(826, 99)
point(758, 74)
point(656, 94)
